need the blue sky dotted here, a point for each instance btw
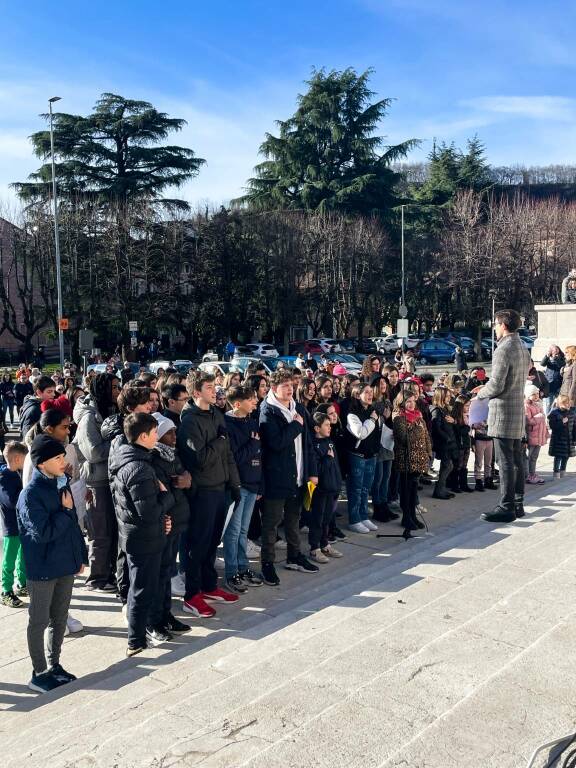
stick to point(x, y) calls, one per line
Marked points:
point(503, 70)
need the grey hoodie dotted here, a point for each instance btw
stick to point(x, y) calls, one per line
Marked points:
point(92, 448)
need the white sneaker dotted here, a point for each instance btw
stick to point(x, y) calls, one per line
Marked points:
point(73, 625)
point(330, 551)
point(252, 551)
point(370, 525)
point(422, 510)
point(358, 528)
point(318, 556)
point(178, 585)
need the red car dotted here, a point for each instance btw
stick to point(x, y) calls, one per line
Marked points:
point(304, 346)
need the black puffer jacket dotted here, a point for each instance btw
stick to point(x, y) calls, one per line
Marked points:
point(563, 436)
point(443, 436)
point(165, 468)
point(329, 477)
point(204, 448)
point(112, 426)
point(30, 413)
point(139, 504)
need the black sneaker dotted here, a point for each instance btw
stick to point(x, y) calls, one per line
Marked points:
point(236, 584)
point(60, 674)
point(175, 625)
point(269, 574)
point(302, 564)
point(44, 682)
point(158, 635)
point(98, 586)
point(22, 591)
point(251, 579)
point(9, 599)
point(336, 535)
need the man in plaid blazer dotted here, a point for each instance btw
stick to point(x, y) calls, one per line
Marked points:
point(506, 419)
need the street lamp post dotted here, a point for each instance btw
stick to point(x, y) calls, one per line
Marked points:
point(56, 235)
point(402, 251)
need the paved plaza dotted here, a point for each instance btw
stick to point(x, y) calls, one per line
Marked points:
point(448, 651)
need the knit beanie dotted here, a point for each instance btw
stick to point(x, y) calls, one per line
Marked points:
point(164, 424)
point(339, 370)
point(530, 390)
point(44, 448)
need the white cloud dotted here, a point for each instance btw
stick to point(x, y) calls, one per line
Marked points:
point(556, 108)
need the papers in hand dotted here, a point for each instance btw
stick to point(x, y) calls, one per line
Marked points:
point(478, 411)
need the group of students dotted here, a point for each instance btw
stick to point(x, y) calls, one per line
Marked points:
point(163, 470)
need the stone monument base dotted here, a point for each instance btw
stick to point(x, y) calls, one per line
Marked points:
point(556, 325)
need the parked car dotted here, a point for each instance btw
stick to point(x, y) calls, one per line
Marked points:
point(209, 357)
point(216, 366)
point(305, 346)
point(390, 343)
point(242, 350)
point(348, 361)
point(467, 344)
point(326, 345)
point(242, 363)
point(435, 351)
point(288, 361)
point(263, 350)
point(366, 345)
point(347, 345)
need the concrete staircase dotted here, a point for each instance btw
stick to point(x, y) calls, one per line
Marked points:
point(453, 650)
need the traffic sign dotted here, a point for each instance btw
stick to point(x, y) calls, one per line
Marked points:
point(402, 328)
point(132, 325)
point(63, 324)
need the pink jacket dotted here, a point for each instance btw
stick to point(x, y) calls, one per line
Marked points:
point(536, 423)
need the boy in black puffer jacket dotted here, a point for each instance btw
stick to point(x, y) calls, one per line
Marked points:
point(170, 471)
point(142, 504)
point(326, 493)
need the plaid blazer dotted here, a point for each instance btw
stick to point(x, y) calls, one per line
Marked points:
point(505, 390)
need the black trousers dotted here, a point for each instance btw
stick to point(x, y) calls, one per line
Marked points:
point(320, 516)
point(510, 458)
point(272, 513)
point(122, 576)
point(408, 496)
point(162, 606)
point(446, 466)
point(144, 571)
point(207, 517)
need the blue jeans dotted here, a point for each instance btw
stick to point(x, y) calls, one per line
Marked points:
point(381, 481)
point(236, 535)
point(358, 484)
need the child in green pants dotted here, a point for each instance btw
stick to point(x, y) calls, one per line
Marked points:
point(12, 560)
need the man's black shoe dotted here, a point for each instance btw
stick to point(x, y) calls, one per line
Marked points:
point(499, 515)
point(269, 575)
point(175, 625)
point(480, 485)
point(519, 509)
point(489, 483)
point(442, 495)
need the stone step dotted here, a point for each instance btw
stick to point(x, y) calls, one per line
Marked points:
point(308, 651)
point(384, 661)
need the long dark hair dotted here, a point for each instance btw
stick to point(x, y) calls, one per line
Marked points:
point(101, 391)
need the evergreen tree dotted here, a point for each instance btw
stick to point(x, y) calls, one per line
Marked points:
point(474, 171)
point(327, 156)
point(113, 155)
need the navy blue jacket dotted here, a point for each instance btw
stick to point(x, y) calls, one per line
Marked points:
point(563, 436)
point(329, 477)
point(279, 452)
point(10, 487)
point(52, 543)
point(247, 451)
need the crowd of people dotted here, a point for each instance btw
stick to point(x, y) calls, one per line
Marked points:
point(140, 481)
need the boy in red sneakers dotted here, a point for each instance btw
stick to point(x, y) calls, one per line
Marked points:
point(204, 449)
